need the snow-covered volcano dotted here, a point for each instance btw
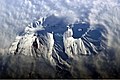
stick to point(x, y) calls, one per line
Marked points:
point(58, 42)
point(50, 35)
point(64, 39)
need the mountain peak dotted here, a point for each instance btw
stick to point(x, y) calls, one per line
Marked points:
point(54, 40)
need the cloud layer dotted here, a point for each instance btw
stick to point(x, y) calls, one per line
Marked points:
point(16, 15)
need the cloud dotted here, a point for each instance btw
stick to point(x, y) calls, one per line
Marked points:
point(16, 15)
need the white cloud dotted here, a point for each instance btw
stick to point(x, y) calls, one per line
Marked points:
point(16, 15)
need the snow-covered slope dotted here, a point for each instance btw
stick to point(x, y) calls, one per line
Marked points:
point(53, 40)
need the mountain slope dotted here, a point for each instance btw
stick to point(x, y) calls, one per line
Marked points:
point(53, 40)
